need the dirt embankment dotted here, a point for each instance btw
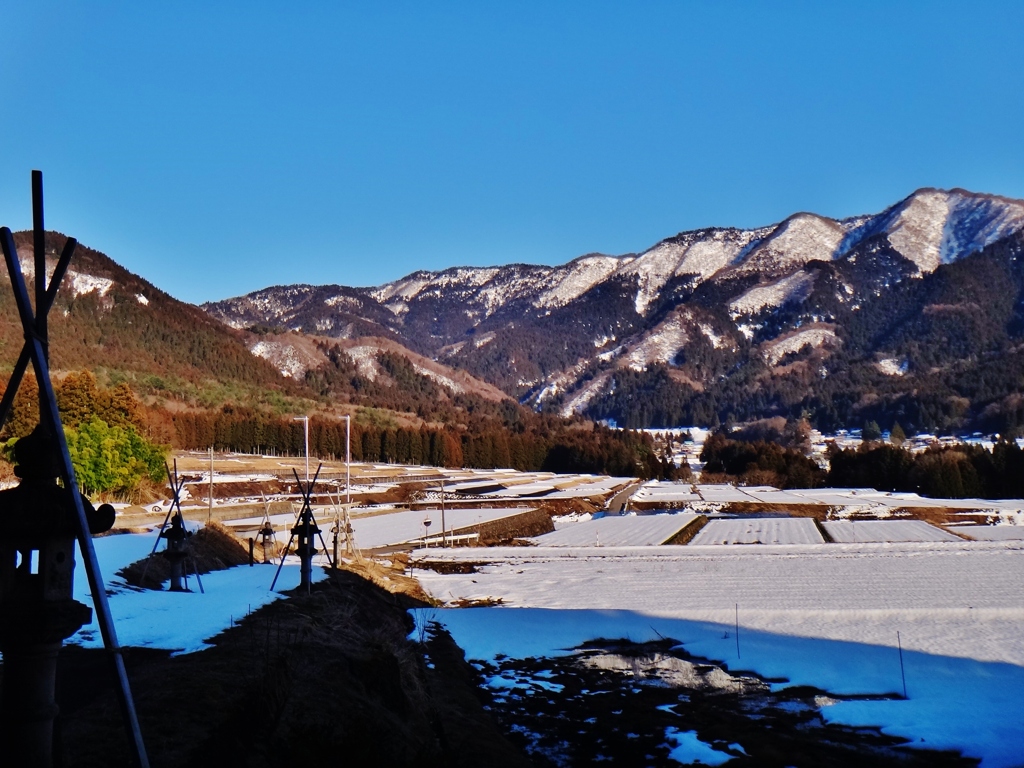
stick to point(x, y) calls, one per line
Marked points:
point(685, 536)
point(531, 522)
point(211, 548)
point(234, 490)
point(324, 679)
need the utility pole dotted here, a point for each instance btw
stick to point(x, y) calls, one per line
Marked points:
point(209, 511)
point(443, 529)
point(305, 432)
point(348, 459)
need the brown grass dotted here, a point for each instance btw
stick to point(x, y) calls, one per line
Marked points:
point(212, 548)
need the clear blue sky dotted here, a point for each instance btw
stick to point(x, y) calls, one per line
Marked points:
point(216, 148)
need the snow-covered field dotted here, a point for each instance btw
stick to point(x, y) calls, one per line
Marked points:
point(759, 530)
point(179, 621)
point(836, 503)
point(618, 531)
point(390, 527)
point(825, 616)
point(990, 532)
point(885, 530)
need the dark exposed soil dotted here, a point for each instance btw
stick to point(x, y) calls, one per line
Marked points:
point(615, 701)
point(324, 679)
point(531, 522)
point(253, 488)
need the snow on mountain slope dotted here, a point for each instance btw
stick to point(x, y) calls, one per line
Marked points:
point(816, 337)
point(917, 227)
point(717, 285)
point(934, 226)
point(291, 354)
point(80, 283)
point(404, 289)
point(364, 353)
point(971, 226)
point(576, 278)
point(794, 242)
point(365, 358)
point(579, 400)
point(270, 304)
point(660, 345)
point(701, 253)
point(795, 287)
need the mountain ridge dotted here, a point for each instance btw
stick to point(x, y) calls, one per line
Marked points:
point(712, 306)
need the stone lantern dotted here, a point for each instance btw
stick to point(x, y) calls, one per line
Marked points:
point(37, 608)
point(305, 548)
point(268, 541)
point(175, 553)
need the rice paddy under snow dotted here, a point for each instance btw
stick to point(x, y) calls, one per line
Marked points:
point(759, 530)
point(391, 528)
point(990, 532)
point(618, 531)
point(886, 530)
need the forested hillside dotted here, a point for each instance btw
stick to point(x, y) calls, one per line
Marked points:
point(112, 322)
point(133, 363)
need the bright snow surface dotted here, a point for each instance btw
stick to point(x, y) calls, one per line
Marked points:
point(759, 530)
point(688, 749)
point(391, 527)
point(885, 530)
point(990, 532)
point(178, 621)
point(618, 531)
point(821, 615)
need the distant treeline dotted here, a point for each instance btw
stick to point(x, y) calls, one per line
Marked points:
point(952, 472)
point(548, 445)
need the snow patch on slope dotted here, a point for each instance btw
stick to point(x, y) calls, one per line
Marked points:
point(82, 284)
point(661, 345)
point(701, 253)
point(483, 339)
point(815, 337)
point(917, 228)
point(579, 401)
point(892, 367)
point(404, 289)
point(365, 359)
point(580, 276)
point(795, 287)
point(561, 381)
point(974, 224)
point(796, 241)
point(445, 381)
point(934, 226)
point(282, 356)
point(716, 341)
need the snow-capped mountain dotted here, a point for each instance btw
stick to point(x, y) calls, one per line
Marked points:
point(700, 309)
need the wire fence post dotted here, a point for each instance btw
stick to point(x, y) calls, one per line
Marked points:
point(903, 674)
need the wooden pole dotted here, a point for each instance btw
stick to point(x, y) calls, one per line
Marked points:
point(738, 630)
point(903, 674)
point(209, 512)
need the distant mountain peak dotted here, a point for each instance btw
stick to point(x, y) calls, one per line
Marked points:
point(769, 305)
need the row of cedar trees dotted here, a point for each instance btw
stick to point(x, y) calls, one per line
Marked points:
point(952, 472)
point(547, 444)
point(562, 448)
